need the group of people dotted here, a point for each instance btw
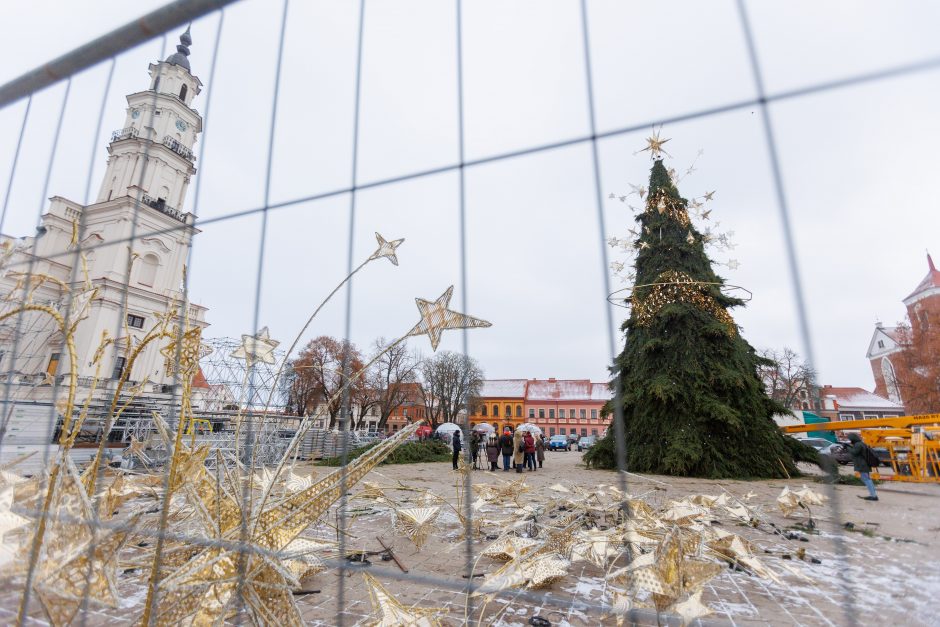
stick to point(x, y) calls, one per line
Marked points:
point(520, 450)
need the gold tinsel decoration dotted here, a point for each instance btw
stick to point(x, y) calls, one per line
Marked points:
point(663, 203)
point(677, 287)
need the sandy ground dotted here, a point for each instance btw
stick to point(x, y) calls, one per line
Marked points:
point(882, 571)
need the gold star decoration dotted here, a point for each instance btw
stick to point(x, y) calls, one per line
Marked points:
point(387, 249)
point(654, 144)
point(436, 318)
point(393, 614)
point(416, 523)
point(190, 352)
point(709, 195)
point(690, 239)
point(256, 348)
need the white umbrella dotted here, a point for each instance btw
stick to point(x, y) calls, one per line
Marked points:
point(448, 427)
point(484, 427)
point(531, 428)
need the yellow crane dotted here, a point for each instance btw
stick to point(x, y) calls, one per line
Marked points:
point(912, 443)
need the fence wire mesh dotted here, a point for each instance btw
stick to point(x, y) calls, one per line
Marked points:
point(79, 422)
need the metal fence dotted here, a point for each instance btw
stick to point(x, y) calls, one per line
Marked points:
point(172, 18)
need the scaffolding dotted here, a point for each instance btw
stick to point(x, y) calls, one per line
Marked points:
point(232, 385)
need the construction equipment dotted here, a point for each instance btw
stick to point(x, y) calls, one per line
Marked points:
point(911, 444)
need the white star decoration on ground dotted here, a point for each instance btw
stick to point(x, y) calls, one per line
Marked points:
point(436, 317)
point(256, 348)
point(387, 249)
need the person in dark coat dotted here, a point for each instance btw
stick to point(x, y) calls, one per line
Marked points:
point(505, 446)
point(474, 447)
point(456, 444)
point(492, 451)
point(861, 465)
point(540, 449)
point(529, 444)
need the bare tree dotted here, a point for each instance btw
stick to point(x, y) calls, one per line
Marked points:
point(789, 380)
point(393, 380)
point(913, 376)
point(317, 375)
point(449, 383)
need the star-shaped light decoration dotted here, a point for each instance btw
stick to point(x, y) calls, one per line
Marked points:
point(654, 144)
point(690, 239)
point(8, 522)
point(436, 317)
point(191, 350)
point(256, 348)
point(387, 249)
point(734, 264)
point(392, 613)
point(709, 195)
point(416, 523)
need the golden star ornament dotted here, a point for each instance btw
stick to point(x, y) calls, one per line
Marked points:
point(436, 317)
point(387, 249)
point(256, 348)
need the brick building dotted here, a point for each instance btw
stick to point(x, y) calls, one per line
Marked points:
point(557, 406)
point(923, 305)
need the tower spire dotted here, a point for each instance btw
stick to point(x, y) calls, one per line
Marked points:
point(930, 263)
point(181, 56)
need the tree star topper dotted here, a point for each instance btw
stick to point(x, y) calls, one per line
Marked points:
point(436, 317)
point(256, 348)
point(387, 249)
point(655, 145)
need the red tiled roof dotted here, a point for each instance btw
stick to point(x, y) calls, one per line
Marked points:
point(930, 281)
point(199, 380)
point(858, 398)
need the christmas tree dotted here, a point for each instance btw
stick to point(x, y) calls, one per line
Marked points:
point(691, 399)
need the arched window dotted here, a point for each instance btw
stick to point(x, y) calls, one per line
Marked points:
point(483, 411)
point(183, 93)
point(495, 411)
point(518, 411)
point(148, 270)
point(891, 380)
point(508, 411)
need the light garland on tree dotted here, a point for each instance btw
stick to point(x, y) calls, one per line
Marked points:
point(677, 287)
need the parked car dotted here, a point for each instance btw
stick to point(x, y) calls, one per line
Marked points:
point(586, 442)
point(838, 451)
point(559, 442)
point(817, 443)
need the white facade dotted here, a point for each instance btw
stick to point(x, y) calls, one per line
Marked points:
point(135, 240)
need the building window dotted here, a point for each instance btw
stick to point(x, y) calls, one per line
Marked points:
point(483, 411)
point(148, 270)
point(551, 414)
point(594, 432)
point(561, 431)
point(508, 411)
point(118, 367)
point(531, 413)
point(551, 431)
point(183, 92)
point(495, 411)
point(583, 414)
point(518, 411)
point(541, 412)
point(593, 414)
point(136, 322)
point(891, 380)
point(583, 431)
point(881, 343)
point(846, 417)
point(53, 364)
point(561, 413)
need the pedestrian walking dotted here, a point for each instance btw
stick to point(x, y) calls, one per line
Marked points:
point(518, 450)
point(456, 444)
point(506, 448)
point(540, 449)
point(861, 462)
point(492, 451)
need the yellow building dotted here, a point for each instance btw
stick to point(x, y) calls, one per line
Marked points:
point(501, 403)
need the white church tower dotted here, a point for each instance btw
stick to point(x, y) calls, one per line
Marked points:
point(138, 223)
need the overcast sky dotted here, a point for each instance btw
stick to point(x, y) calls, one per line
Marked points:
point(860, 164)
